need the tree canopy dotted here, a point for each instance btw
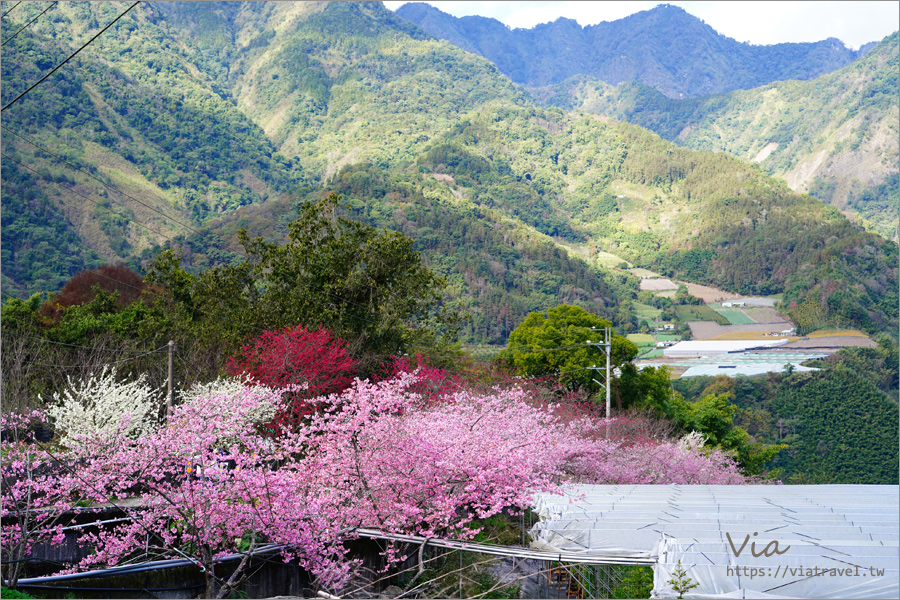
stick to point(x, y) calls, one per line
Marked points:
point(369, 287)
point(557, 343)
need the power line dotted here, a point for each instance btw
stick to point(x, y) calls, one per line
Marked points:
point(94, 177)
point(104, 364)
point(71, 56)
point(88, 198)
point(119, 350)
point(9, 39)
point(12, 9)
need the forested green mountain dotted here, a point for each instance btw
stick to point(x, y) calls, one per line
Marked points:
point(131, 112)
point(839, 424)
point(835, 137)
point(223, 115)
point(665, 48)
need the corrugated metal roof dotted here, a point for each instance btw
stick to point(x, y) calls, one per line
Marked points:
point(722, 535)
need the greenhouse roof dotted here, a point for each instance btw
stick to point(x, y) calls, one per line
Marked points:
point(717, 347)
point(748, 370)
point(760, 541)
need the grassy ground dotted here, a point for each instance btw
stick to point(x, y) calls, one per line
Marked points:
point(641, 338)
point(639, 272)
point(735, 316)
point(645, 311)
point(668, 337)
point(609, 261)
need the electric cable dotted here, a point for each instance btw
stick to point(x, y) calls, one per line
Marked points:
point(71, 56)
point(105, 364)
point(95, 178)
point(12, 9)
point(10, 38)
point(119, 350)
point(88, 198)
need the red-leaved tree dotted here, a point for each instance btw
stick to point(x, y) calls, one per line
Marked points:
point(296, 356)
point(82, 288)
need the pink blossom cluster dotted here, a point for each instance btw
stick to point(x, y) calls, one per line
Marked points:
point(34, 492)
point(379, 455)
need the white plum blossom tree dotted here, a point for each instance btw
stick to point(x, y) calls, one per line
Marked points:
point(104, 407)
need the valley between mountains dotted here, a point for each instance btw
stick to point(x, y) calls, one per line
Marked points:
point(207, 120)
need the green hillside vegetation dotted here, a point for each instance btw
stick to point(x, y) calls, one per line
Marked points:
point(141, 120)
point(497, 270)
point(835, 137)
point(419, 137)
point(840, 424)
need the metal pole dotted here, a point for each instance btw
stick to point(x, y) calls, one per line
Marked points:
point(608, 353)
point(170, 401)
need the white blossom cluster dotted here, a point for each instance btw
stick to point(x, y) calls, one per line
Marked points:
point(104, 406)
point(230, 387)
point(692, 442)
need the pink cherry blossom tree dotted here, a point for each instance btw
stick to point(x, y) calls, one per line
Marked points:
point(33, 494)
point(378, 455)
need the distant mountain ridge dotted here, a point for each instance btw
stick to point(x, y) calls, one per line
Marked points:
point(834, 137)
point(666, 48)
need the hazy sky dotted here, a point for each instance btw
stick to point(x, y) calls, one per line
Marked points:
point(854, 23)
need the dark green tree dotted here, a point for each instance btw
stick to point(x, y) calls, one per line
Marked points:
point(556, 343)
point(369, 287)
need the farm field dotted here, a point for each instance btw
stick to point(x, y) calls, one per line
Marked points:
point(836, 333)
point(835, 342)
point(645, 343)
point(749, 335)
point(657, 285)
point(668, 337)
point(735, 316)
point(645, 311)
point(707, 330)
point(641, 338)
point(609, 261)
point(763, 315)
point(639, 272)
point(699, 313)
point(709, 294)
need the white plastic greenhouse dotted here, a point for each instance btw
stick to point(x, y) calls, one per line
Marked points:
point(754, 541)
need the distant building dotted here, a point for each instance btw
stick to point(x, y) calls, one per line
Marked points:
point(734, 304)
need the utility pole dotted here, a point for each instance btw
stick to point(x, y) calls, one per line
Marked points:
point(170, 401)
point(606, 345)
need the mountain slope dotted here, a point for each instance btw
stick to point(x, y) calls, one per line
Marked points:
point(347, 96)
point(665, 48)
point(150, 148)
point(835, 137)
point(414, 105)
